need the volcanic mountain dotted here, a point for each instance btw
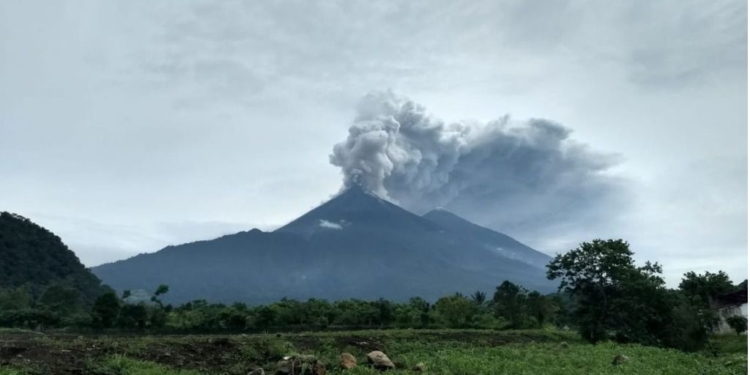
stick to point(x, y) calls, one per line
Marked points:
point(356, 245)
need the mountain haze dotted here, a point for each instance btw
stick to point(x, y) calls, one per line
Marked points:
point(356, 245)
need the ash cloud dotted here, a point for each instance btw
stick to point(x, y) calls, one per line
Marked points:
point(527, 178)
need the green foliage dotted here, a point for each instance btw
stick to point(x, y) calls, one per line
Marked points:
point(738, 323)
point(510, 303)
point(121, 365)
point(742, 285)
point(479, 298)
point(618, 300)
point(106, 310)
point(29, 318)
point(541, 308)
point(133, 316)
point(527, 352)
point(64, 300)
point(700, 290)
point(35, 257)
point(157, 318)
point(704, 287)
point(162, 289)
point(15, 298)
point(457, 310)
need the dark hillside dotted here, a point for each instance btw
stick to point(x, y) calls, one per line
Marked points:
point(31, 255)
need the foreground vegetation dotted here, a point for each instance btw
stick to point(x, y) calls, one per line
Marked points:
point(441, 351)
point(603, 295)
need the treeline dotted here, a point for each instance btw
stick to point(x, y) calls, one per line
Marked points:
point(603, 294)
point(510, 307)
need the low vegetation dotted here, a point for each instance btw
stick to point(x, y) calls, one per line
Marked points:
point(549, 351)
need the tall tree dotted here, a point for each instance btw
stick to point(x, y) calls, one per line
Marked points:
point(612, 294)
point(738, 323)
point(106, 310)
point(705, 287)
point(479, 298)
point(540, 307)
point(509, 300)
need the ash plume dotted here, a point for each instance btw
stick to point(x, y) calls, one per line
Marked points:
point(507, 174)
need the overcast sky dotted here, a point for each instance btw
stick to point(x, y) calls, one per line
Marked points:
point(128, 126)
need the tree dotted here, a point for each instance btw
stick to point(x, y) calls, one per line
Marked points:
point(700, 291)
point(738, 323)
point(106, 310)
point(613, 295)
point(742, 285)
point(264, 317)
point(421, 308)
point(457, 310)
point(706, 286)
point(133, 316)
point(385, 311)
point(233, 319)
point(161, 290)
point(509, 302)
point(540, 307)
point(15, 298)
point(63, 300)
point(479, 298)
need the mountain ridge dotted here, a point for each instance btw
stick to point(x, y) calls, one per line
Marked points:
point(355, 245)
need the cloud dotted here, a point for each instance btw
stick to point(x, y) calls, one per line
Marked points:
point(330, 225)
point(147, 106)
point(510, 174)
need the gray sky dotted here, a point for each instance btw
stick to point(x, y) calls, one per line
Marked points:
point(128, 126)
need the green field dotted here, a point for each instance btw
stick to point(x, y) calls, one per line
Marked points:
point(442, 351)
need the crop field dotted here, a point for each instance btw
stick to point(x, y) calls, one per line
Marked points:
point(438, 351)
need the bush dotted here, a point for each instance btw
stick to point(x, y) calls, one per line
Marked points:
point(738, 323)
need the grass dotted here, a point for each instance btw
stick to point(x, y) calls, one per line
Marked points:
point(120, 365)
point(4, 330)
point(453, 352)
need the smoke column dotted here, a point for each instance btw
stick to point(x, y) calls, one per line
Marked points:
point(504, 173)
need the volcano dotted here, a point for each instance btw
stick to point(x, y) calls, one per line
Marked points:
point(356, 245)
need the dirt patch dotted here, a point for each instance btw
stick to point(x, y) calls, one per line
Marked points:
point(64, 354)
point(365, 344)
point(58, 356)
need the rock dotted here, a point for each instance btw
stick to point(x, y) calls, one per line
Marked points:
point(620, 358)
point(419, 367)
point(284, 367)
point(257, 371)
point(348, 361)
point(380, 361)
